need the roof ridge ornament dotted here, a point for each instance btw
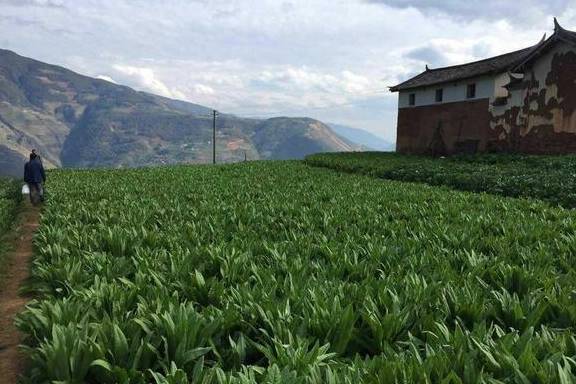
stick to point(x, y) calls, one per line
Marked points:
point(557, 26)
point(543, 38)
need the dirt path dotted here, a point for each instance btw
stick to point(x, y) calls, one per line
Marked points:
point(17, 269)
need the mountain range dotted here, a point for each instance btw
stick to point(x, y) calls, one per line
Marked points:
point(364, 138)
point(79, 121)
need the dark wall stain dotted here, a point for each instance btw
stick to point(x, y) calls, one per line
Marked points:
point(541, 126)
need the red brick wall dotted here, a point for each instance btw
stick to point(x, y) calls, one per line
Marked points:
point(448, 128)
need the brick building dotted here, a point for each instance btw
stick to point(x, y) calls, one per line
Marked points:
point(522, 101)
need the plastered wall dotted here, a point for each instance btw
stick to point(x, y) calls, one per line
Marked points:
point(540, 116)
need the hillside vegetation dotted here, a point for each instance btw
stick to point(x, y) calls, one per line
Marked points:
point(274, 272)
point(79, 121)
point(550, 178)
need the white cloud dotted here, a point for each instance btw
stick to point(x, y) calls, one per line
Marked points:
point(305, 83)
point(448, 51)
point(201, 89)
point(36, 3)
point(329, 59)
point(148, 80)
point(107, 78)
point(518, 11)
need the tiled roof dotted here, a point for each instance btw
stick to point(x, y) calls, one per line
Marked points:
point(560, 34)
point(498, 64)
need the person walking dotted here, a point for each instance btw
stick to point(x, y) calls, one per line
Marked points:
point(37, 155)
point(34, 176)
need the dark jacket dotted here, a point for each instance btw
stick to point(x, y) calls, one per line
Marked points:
point(34, 172)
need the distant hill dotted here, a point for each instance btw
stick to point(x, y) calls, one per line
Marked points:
point(11, 163)
point(79, 121)
point(363, 138)
point(285, 138)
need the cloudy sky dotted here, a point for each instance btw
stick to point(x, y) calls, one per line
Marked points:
point(328, 59)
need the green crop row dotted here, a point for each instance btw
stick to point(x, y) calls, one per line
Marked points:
point(9, 199)
point(280, 273)
point(549, 178)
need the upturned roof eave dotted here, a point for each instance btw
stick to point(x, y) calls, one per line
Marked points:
point(560, 34)
point(534, 55)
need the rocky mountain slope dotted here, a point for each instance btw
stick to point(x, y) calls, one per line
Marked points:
point(79, 121)
point(364, 138)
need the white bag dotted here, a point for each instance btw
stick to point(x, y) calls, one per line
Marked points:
point(25, 189)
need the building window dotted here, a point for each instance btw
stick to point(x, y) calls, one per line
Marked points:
point(412, 99)
point(471, 91)
point(439, 95)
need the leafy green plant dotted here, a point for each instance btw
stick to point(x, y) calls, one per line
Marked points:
point(278, 272)
point(10, 196)
point(550, 178)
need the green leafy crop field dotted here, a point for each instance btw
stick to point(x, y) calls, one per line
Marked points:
point(9, 199)
point(550, 178)
point(280, 273)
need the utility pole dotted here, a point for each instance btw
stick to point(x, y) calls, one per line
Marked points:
point(214, 114)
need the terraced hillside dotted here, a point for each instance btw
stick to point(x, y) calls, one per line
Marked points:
point(280, 273)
